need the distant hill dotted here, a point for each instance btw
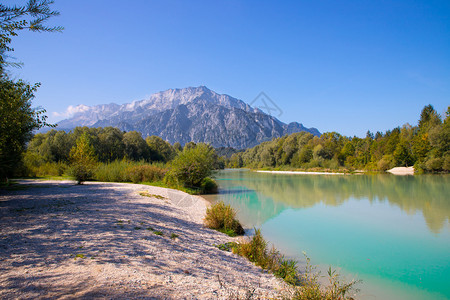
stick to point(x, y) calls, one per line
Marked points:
point(195, 114)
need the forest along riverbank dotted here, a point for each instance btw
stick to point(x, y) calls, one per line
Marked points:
point(116, 240)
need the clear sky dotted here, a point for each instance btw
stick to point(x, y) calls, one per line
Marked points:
point(345, 66)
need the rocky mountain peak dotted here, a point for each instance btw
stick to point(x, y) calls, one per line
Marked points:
point(189, 114)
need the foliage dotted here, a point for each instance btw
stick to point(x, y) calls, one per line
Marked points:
point(115, 171)
point(228, 246)
point(256, 250)
point(191, 166)
point(303, 285)
point(135, 146)
point(426, 146)
point(160, 149)
point(129, 171)
point(31, 16)
point(83, 159)
point(110, 144)
point(145, 173)
point(222, 217)
point(209, 186)
point(17, 121)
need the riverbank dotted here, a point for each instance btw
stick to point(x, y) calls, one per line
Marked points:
point(116, 240)
point(401, 171)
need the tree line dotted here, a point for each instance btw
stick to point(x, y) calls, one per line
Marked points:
point(425, 146)
point(108, 143)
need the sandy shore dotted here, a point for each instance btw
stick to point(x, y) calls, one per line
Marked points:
point(402, 171)
point(300, 172)
point(98, 240)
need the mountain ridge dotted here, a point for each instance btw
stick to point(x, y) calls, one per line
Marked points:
point(195, 114)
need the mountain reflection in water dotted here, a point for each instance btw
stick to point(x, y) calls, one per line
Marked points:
point(259, 197)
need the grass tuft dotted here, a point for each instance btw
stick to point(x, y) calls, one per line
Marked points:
point(222, 217)
point(147, 194)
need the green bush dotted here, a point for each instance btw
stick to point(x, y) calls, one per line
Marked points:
point(305, 285)
point(81, 172)
point(256, 251)
point(221, 217)
point(209, 186)
point(191, 167)
point(434, 164)
point(129, 171)
point(145, 173)
point(113, 172)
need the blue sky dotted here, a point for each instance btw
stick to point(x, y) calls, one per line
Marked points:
point(345, 66)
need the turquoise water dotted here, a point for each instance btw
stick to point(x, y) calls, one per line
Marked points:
point(391, 232)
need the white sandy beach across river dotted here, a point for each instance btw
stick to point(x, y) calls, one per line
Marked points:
point(64, 241)
point(300, 172)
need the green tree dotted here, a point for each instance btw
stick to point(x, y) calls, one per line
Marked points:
point(160, 149)
point(428, 118)
point(111, 145)
point(17, 122)
point(13, 19)
point(83, 159)
point(402, 155)
point(177, 146)
point(135, 146)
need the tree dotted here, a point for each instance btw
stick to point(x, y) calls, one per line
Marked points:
point(111, 145)
point(402, 155)
point(135, 146)
point(160, 149)
point(177, 147)
point(83, 159)
point(17, 118)
point(428, 118)
point(17, 121)
point(31, 16)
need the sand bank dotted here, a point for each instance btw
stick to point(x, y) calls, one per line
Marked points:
point(105, 240)
point(402, 171)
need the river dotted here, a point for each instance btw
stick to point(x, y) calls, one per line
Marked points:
point(391, 232)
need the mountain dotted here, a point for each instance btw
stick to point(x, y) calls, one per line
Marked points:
point(191, 114)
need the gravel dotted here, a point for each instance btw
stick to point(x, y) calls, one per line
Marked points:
point(59, 240)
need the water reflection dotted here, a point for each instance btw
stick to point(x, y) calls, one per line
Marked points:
point(261, 196)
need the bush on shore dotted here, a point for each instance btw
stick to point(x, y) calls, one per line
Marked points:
point(146, 173)
point(191, 168)
point(222, 217)
point(130, 171)
point(302, 286)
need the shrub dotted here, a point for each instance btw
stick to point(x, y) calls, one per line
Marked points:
point(434, 164)
point(208, 186)
point(385, 163)
point(192, 166)
point(221, 217)
point(81, 172)
point(145, 173)
point(129, 171)
point(113, 172)
point(256, 251)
